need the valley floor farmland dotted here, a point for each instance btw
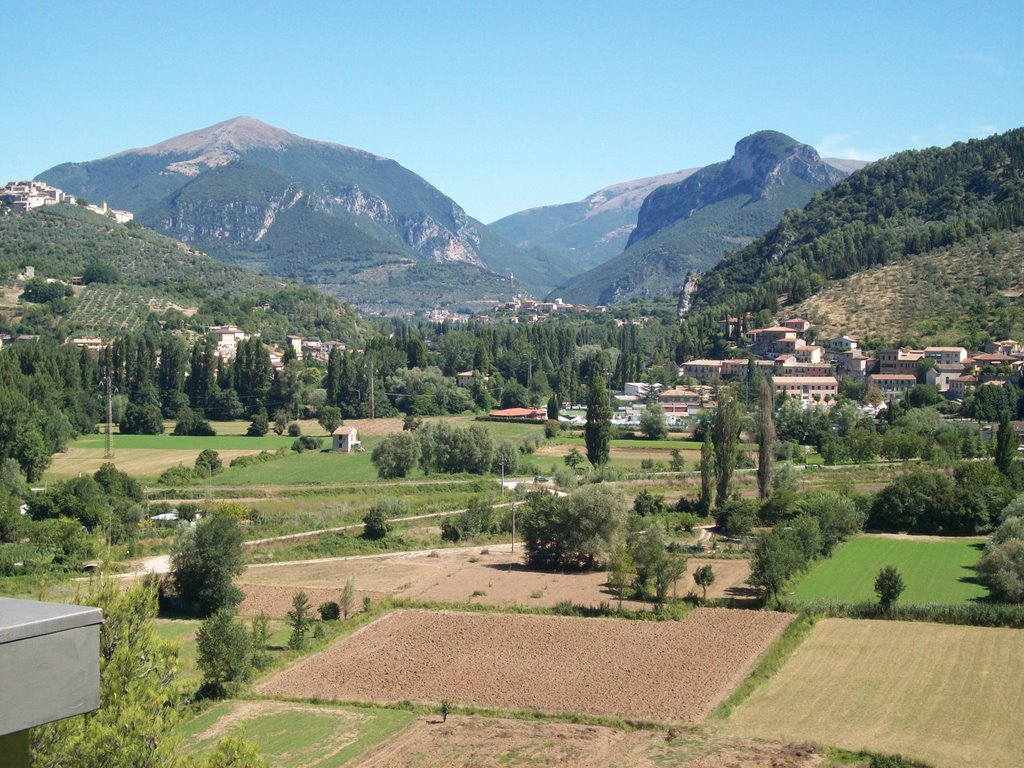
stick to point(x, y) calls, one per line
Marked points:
point(295, 735)
point(661, 671)
point(935, 570)
point(454, 575)
point(947, 695)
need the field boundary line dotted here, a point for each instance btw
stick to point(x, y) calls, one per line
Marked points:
point(766, 666)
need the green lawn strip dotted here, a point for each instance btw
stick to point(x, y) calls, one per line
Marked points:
point(301, 736)
point(770, 662)
point(933, 571)
point(308, 467)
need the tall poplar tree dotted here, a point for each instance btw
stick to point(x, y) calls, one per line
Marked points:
point(765, 439)
point(725, 431)
point(707, 473)
point(1006, 444)
point(597, 432)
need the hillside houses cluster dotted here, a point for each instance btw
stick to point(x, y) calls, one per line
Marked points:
point(811, 371)
point(24, 196)
point(226, 339)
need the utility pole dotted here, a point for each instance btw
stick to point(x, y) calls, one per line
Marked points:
point(108, 452)
point(371, 391)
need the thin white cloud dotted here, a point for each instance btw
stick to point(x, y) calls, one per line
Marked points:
point(838, 145)
point(991, 63)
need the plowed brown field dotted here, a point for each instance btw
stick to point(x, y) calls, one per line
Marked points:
point(664, 671)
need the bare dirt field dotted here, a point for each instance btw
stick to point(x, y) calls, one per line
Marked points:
point(276, 600)
point(946, 695)
point(479, 742)
point(674, 671)
point(455, 574)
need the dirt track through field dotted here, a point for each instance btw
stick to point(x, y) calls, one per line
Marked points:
point(673, 671)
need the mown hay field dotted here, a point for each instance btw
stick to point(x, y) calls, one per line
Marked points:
point(672, 671)
point(945, 695)
point(298, 735)
point(934, 570)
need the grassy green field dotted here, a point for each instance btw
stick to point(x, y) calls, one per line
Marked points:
point(933, 571)
point(167, 441)
point(291, 735)
point(945, 695)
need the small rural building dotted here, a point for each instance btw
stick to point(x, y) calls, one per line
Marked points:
point(946, 355)
point(892, 383)
point(344, 439)
point(941, 374)
point(702, 370)
point(961, 385)
point(807, 388)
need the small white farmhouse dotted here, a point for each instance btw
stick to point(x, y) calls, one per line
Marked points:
point(344, 439)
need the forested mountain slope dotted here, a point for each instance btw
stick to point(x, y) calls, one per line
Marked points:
point(909, 204)
point(964, 295)
point(689, 225)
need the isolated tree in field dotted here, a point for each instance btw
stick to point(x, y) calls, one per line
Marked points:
point(1006, 445)
point(652, 422)
point(598, 429)
point(300, 617)
point(375, 523)
point(574, 459)
point(224, 650)
point(765, 439)
point(676, 463)
point(776, 558)
point(260, 636)
point(259, 425)
point(348, 595)
point(208, 462)
point(888, 586)
point(330, 418)
point(704, 577)
point(707, 473)
point(725, 430)
point(667, 572)
point(396, 455)
point(204, 561)
point(553, 407)
point(620, 572)
point(446, 707)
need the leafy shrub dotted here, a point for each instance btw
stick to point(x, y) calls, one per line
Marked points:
point(192, 424)
point(294, 430)
point(330, 611)
point(177, 474)
point(306, 443)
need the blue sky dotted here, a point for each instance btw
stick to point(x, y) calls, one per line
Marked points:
point(510, 105)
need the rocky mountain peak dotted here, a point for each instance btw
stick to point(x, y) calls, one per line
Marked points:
point(761, 164)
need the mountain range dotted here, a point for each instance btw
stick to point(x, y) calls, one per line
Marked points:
point(365, 229)
point(687, 226)
point(354, 223)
